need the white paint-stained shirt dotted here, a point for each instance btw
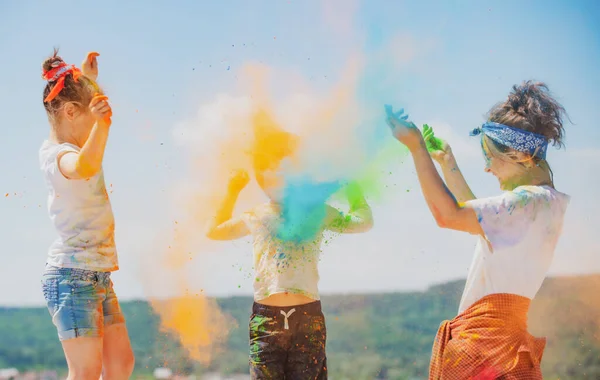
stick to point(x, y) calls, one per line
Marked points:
point(522, 228)
point(290, 267)
point(81, 214)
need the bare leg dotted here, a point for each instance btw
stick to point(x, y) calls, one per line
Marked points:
point(84, 358)
point(117, 354)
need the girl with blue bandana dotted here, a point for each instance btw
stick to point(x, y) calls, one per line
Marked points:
point(517, 232)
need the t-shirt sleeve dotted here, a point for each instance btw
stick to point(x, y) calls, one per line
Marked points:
point(251, 217)
point(50, 163)
point(505, 219)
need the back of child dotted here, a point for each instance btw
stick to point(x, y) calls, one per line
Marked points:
point(287, 326)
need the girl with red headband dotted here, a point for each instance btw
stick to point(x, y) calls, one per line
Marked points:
point(76, 283)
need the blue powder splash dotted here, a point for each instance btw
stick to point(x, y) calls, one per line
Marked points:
point(304, 209)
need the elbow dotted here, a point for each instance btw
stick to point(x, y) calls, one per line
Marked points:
point(86, 170)
point(369, 225)
point(211, 234)
point(443, 220)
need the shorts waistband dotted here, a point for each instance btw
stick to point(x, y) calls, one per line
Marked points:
point(312, 308)
point(77, 273)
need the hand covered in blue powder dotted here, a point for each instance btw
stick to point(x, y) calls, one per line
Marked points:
point(403, 130)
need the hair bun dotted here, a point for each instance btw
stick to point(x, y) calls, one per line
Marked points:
point(531, 107)
point(51, 62)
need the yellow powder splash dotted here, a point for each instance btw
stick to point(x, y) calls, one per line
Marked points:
point(253, 133)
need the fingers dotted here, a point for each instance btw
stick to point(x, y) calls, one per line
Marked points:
point(98, 98)
point(100, 107)
point(238, 172)
point(389, 111)
point(92, 56)
point(239, 175)
point(91, 59)
point(398, 115)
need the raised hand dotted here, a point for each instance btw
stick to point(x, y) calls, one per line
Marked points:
point(437, 148)
point(403, 130)
point(89, 66)
point(101, 109)
point(238, 180)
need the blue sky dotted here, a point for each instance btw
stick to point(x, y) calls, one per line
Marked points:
point(161, 63)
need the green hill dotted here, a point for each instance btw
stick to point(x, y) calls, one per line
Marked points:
point(385, 336)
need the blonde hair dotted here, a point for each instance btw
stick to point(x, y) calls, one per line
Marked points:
point(78, 92)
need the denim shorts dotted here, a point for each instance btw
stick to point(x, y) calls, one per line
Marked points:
point(81, 302)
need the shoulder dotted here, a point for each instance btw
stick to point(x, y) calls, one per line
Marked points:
point(257, 213)
point(544, 197)
point(541, 195)
point(519, 197)
point(49, 151)
point(526, 202)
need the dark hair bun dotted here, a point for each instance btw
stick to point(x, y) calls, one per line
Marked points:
point(531, 107)
point(52, 61)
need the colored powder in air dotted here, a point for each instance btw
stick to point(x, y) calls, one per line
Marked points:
point(271, 143)
point(304, 209)
point(336, 142)
point(195, 320)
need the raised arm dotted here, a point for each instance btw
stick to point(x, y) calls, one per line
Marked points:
point(442, 204)
point(223, 226)
point(441, 152)
point(358, 219)
point(88, 161)
point(89, 66)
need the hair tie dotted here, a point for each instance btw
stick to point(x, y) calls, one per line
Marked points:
point(57, 74)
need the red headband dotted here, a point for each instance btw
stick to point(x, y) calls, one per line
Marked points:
point(57, 74)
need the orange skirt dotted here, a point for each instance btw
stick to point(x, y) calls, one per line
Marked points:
point(488, 341)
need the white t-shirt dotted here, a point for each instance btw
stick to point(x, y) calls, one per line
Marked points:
point(288, 267)
point(522, 227)
point(82, 215)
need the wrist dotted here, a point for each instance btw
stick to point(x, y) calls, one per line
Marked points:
point(417, 146)
point(103, 123)
point(449, 162)
point(234, 191)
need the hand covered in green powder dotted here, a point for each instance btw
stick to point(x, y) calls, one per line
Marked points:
point(438, 149)
point(355, 195)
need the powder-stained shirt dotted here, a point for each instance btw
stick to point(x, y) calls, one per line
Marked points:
point(522, 228)
point(287, 266)
point(81, 214)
